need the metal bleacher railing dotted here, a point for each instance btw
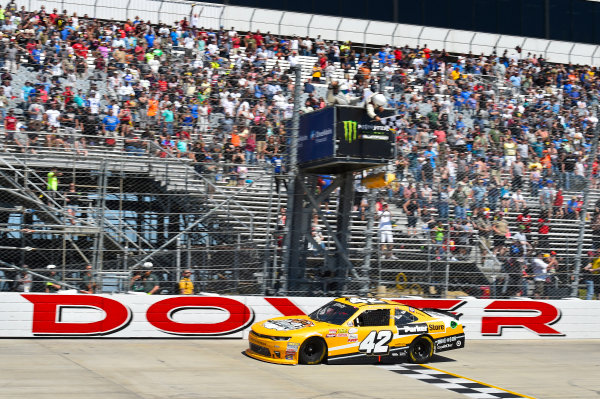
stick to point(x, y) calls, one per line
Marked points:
point(358, 31)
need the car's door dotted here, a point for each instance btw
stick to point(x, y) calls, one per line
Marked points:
point(407, 326)
point(373, 332)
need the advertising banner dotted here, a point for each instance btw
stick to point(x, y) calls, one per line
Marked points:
point(315, 138)
point(150, 316)
point(360, 137)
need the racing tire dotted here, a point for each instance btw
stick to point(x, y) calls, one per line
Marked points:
point(312, 351)
point(421, 350)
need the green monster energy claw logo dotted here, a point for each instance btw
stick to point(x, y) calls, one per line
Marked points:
point(350, 128)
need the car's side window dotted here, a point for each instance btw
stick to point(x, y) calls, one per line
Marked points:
point(402, 317)
point(373, 318)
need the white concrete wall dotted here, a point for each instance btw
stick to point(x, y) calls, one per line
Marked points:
point(141, 316)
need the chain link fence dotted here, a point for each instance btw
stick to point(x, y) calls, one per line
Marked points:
point(116, 216)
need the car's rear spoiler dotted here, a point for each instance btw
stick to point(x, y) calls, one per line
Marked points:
point(444, 312)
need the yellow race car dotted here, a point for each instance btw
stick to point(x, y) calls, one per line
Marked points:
point(356, 330)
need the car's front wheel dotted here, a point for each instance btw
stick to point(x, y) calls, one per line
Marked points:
point(312, 351)
point(421, 349)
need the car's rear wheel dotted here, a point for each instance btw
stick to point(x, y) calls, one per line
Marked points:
point(312, 351)
point(421, 349)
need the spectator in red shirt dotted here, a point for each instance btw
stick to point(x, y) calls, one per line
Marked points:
point(259, 39)
point(162, 84)
point(543, 231)
point(524, 221)
point(10, 125)
point(80, 49)
point(557, 206)
point(426, 51)
point(398, 55)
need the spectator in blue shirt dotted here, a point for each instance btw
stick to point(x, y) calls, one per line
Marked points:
point(278, 168)
point(28, 90)
point(110, 123)
point(150, 39)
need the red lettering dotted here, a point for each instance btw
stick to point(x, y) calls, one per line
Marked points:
point(539, 323)
point(285, 306)
point(48, 309)
point(160, 315)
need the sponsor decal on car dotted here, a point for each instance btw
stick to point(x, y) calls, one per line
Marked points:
point(342, 332)
point(292, 348)
point(353, 330)
point(447, 343)
point(453, 324)
point(437, 327)
point(286, 325)
point(412, 310)
point(331, 333)
point(352, 338)
point(412, 329)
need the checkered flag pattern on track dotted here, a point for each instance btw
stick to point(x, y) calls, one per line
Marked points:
point(450, 382)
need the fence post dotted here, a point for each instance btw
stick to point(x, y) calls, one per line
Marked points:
point(279, 24)
point(365, 36)
point(251, 20)
point(446, 38)
point(99, 244)
point(394, 35)
point(447, 271)
point(127, 9)
point(583, 214)
point(220, 15)
point(236, 263)
point(337, 30)
point(369, 243)
point(267, 252)
point(308, 24)
point(178, 259)
point(159, 11)
point(546, 50)
point(593, 54)
point(471, 42)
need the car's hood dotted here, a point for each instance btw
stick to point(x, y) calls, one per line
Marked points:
point(286, 324)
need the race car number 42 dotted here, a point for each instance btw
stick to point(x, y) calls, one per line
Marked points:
point(376, 343)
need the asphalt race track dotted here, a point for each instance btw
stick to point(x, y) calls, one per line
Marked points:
point(185, 368)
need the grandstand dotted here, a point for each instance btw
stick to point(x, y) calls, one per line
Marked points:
point(142, 194)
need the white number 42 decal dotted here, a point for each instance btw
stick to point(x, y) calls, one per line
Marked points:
point(376, 343)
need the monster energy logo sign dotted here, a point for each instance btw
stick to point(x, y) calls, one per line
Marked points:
point(350, 128)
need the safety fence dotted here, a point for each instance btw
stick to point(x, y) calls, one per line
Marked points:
point(115, 212)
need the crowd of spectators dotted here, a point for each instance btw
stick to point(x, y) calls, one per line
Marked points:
point(494, 137)
point(478, 137)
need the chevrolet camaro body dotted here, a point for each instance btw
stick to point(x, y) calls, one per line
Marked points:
point(356, 330)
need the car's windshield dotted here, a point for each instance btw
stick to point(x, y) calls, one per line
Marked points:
point(334, 313)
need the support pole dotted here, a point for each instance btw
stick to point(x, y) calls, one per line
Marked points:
point(343, 229)
point(292, 238)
